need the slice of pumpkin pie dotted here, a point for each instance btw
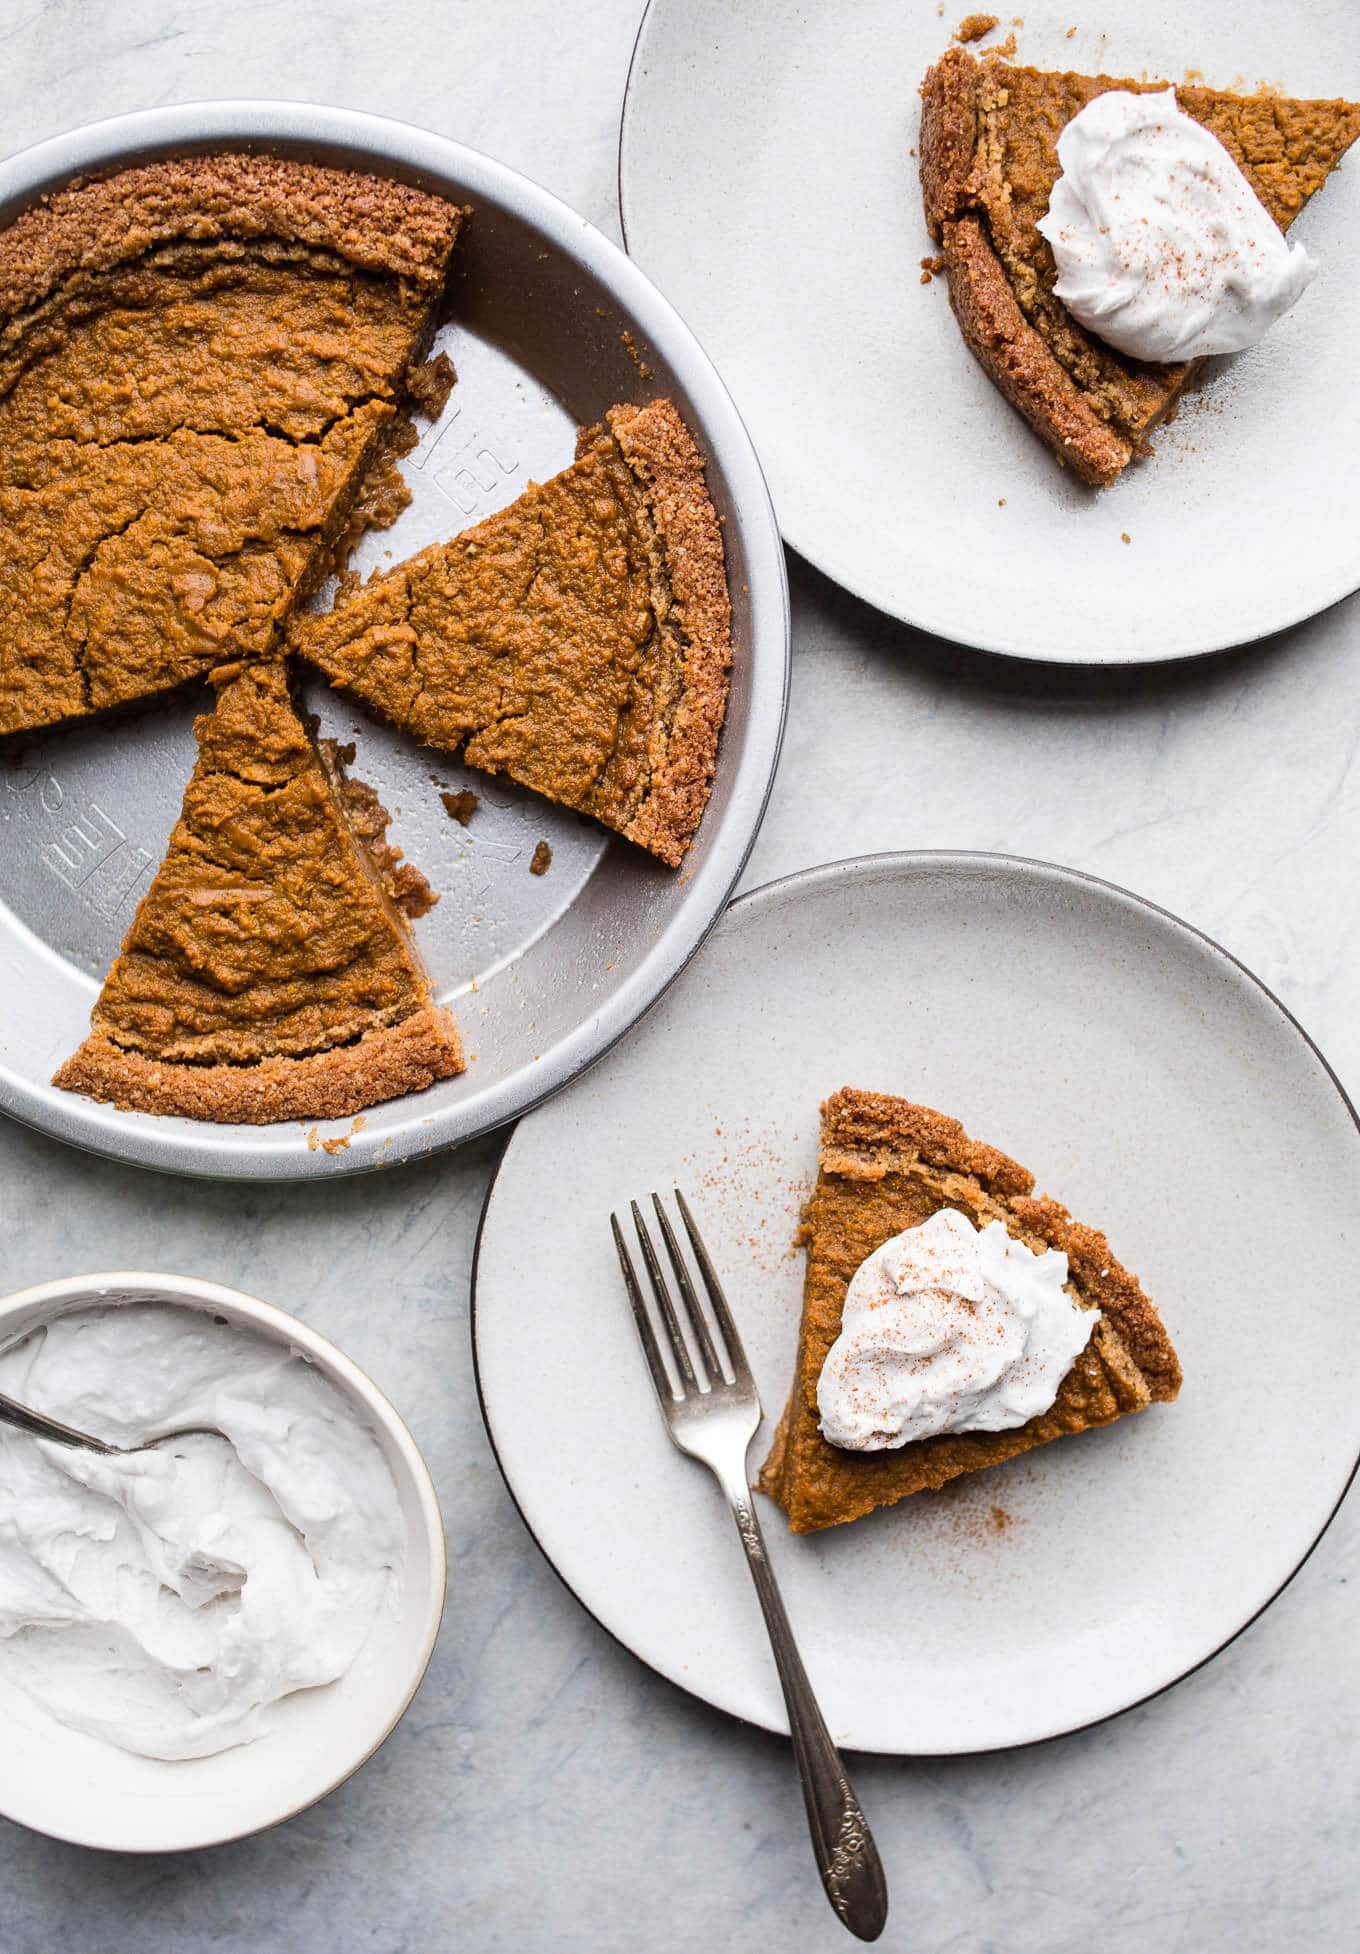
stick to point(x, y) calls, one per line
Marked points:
point(989, 162)
point(578, 641)
point(268, 973)
point(199, 359)
point(952, 1319)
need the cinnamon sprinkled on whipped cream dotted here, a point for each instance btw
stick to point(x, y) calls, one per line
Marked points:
point(1162, 246)
point(949, 1328)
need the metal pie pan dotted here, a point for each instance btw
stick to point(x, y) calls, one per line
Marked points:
point(549, 325)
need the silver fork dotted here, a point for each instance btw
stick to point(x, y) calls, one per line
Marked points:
point(712, 1412)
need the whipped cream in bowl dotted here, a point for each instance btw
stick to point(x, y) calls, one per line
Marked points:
point(200, 1639)
point(948, 1327)
point(1163, 248)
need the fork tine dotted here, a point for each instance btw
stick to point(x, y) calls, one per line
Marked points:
point(736, 1356)
point(692, 1304)
point(646, 1334)
point(660, 1289)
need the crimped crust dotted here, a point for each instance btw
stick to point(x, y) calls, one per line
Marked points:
point(879, 1130)
point(96, 223)
point(885, 1165)
point(1100, 1278)
point(1009, 348)
point(1093, 408)
point(1019, 362)
point(384, 1064)
point(661, 455)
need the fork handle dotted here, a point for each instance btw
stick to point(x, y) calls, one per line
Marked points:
point(847, 1857)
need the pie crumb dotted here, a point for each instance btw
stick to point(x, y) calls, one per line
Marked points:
point(542, 859)
point(1124, 536)
point(635, 356)
point(1001, 502)
point(459, 807)
point(430, 383)
point(341, 1141)
point(368, 819)
point(931, 268)
point(973, 26)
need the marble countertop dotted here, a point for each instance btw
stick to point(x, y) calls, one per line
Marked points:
point(546, 1794)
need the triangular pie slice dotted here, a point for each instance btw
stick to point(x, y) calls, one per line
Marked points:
point(989, 161)
point(267, 974)
point(887, 1165)
point(198, 361)
point(578, 641)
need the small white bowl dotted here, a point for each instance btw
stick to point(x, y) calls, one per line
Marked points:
point(81, 1789)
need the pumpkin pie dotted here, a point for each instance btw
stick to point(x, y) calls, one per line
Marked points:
point(578, 641)
point(989, 161)
point(887, 1165)
point(199, 361)
point(268, 973)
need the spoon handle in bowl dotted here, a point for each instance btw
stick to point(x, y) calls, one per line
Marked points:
point(41, 1426)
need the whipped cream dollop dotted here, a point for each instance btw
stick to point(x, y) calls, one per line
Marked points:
point(164, 1601)
point(1162, 246)
point(949, 1328)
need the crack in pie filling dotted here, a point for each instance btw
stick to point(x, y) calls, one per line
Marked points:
point(198, 362)
point(887, 1165)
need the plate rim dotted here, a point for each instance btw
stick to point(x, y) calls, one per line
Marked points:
point(850, 868)
point(405, 149)
point(805, 546)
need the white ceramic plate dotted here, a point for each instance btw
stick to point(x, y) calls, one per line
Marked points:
point(767, 185)
point(1151, 1083)
point(76, 1787)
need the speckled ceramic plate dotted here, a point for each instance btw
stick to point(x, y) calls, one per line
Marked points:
point(768, 184)
point(550, 325)
point(1152, 1084)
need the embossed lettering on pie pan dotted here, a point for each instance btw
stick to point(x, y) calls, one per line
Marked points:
point(549, 325)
